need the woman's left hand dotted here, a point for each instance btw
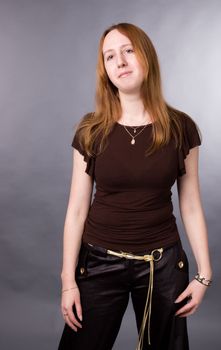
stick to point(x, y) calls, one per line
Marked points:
point(195, 291)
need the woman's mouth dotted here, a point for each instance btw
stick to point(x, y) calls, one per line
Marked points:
point(123, 75)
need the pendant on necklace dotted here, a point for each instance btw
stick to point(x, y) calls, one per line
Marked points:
point(132, 142)
point(135, 131)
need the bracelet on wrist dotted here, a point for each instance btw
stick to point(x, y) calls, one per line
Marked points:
point(65, 290)
point(203, 280)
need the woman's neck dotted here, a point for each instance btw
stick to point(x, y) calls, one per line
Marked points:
point(133, 112)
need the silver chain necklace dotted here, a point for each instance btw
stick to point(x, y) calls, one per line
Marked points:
point(135, 130)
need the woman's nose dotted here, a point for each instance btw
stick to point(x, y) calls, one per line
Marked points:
point(121, 61)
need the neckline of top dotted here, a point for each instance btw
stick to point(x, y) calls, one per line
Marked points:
point(134, 126)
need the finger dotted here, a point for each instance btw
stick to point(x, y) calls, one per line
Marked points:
point(188, 313)
point(185, 308)
point(70, 323)
point(79, 309)
point(73, 319)
point(182, 296)
point(65, 313)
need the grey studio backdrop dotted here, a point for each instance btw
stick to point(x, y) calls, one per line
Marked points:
point(47, 68)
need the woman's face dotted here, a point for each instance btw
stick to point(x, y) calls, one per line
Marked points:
point(119, 57)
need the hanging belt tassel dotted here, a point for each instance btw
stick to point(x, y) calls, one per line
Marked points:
point(147, 310)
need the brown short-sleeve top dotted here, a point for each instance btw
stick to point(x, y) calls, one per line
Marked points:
point(132, 207)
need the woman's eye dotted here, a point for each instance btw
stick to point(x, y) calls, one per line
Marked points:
point(130, 50)
point(109, 57)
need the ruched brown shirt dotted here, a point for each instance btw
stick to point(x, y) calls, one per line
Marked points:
point(132, 207)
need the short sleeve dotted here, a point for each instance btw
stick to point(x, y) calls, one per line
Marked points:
point(90, 160)
point(191, 138)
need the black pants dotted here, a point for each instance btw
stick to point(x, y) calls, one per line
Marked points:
point(105, 283)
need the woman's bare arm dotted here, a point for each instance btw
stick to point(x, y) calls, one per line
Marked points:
point(77, 210)
point(192, 214)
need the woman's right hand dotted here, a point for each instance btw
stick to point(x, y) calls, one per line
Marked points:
point(68, 299)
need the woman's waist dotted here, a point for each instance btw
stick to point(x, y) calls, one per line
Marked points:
point(124, 219)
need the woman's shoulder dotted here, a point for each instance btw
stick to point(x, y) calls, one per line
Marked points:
point(182, 117)
point(83, 120)
point(191, 137)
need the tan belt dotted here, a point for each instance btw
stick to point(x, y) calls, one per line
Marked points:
point(147, 310)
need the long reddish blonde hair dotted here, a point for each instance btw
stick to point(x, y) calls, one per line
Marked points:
point(107, 103)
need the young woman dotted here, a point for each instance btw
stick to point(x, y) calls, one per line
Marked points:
point(134, 146)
